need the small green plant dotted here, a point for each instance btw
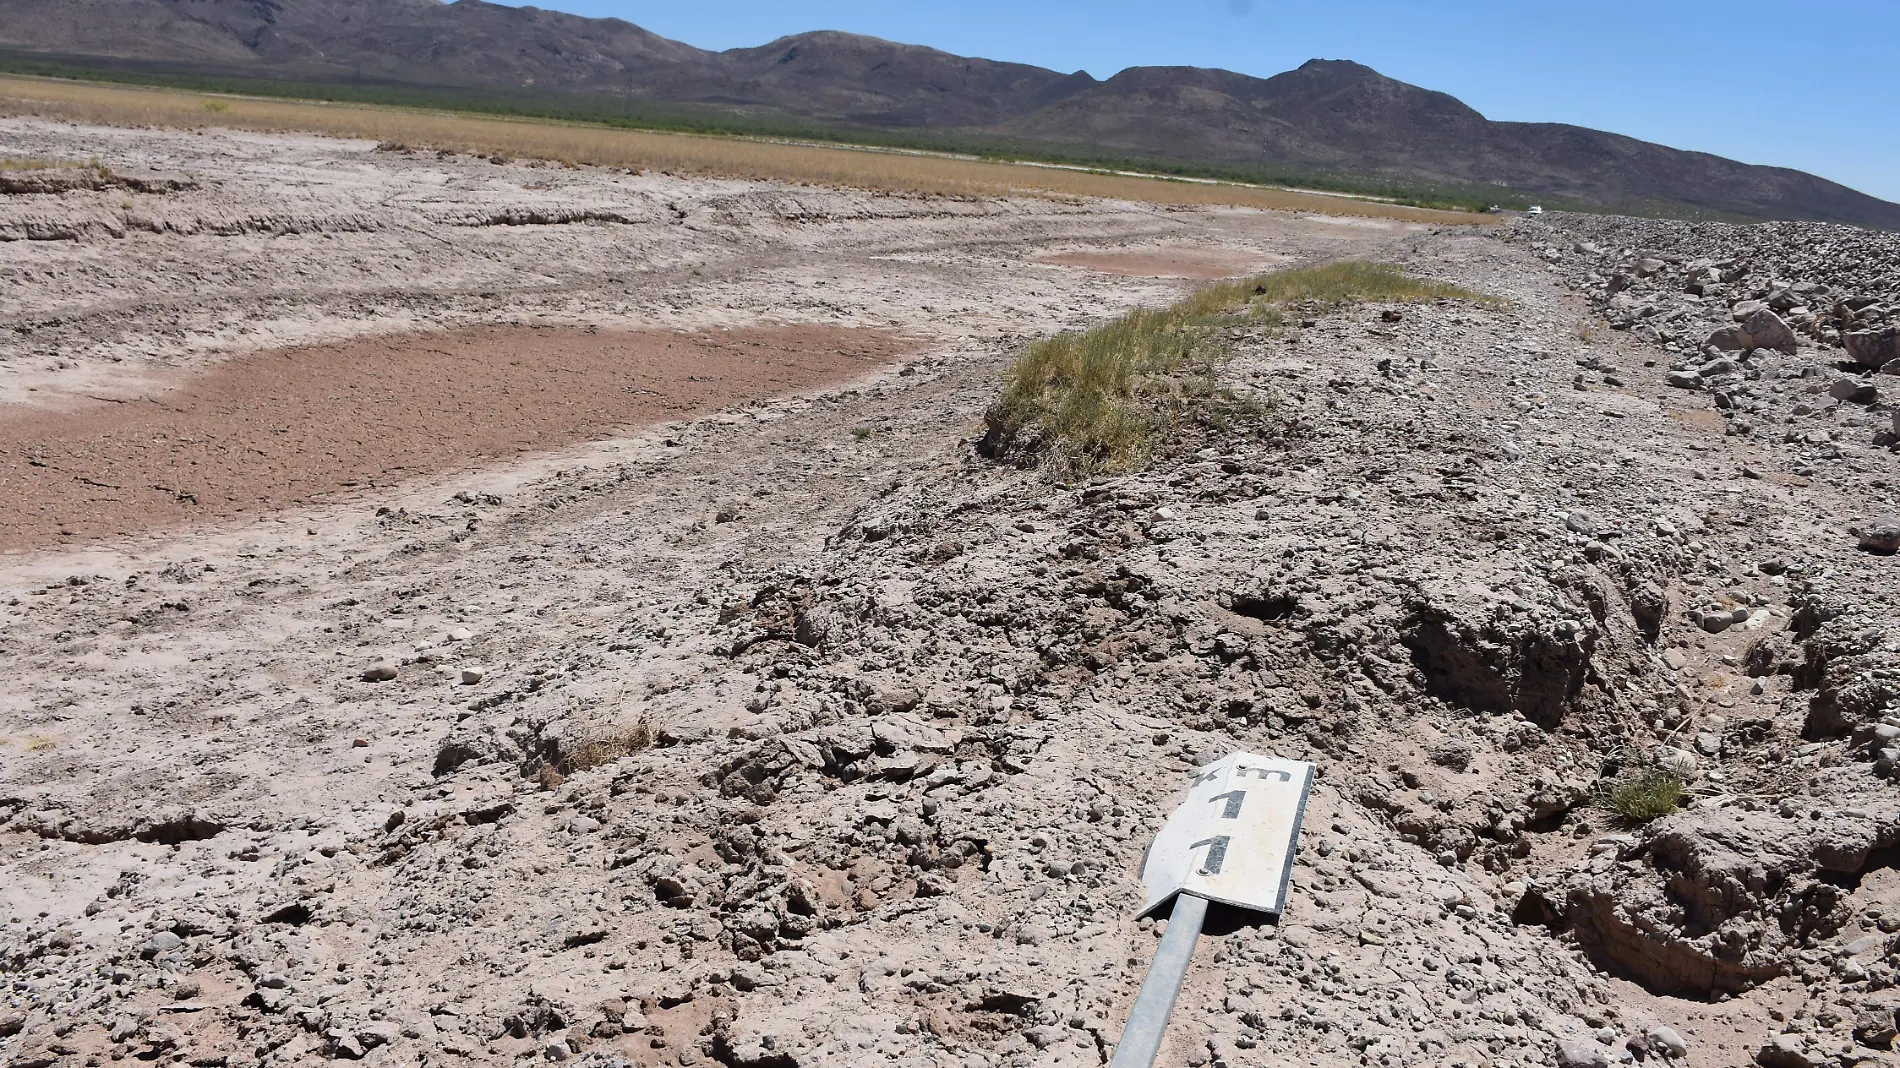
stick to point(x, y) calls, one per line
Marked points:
point(1644, 793)
point(861, 432)
point(1101, 399)
point(17, 163)
point(217, 107)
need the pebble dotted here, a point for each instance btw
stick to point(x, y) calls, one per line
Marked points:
point(472, 675)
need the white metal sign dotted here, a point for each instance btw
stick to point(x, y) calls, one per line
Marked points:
point(1232, 840)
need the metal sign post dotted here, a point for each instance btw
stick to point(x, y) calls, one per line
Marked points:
point(1231, 841)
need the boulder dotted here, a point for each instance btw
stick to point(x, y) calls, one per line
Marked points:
point(1666, 1041)
point(1763, 329)
point(1578, 1053)
point(1881, 535)
point(1873, 348)
point(1853, 390)
point(1787, 1051)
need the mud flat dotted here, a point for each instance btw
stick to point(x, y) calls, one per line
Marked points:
point(276, 429)
point(1186, 262)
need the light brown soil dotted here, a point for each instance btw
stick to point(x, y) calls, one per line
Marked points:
point(1200, 263)
point(290, 426)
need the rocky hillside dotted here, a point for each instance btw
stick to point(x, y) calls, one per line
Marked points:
point(1331, 117)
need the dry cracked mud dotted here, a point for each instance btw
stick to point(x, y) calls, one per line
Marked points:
point(796, 733)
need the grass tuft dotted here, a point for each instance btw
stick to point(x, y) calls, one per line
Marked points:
point(1642, 794)
point(1103, 399)
point(598, 746)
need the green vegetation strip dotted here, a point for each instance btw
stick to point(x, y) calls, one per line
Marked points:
point(1106, 399)
point(621, 111)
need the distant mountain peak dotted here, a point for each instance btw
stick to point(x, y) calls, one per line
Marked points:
point(1327, 117)
point(1340, 67)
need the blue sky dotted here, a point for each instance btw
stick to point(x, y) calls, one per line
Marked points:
point(1812, 85)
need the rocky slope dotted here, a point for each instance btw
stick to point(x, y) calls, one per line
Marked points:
point(1331, 117)
point(804, 735)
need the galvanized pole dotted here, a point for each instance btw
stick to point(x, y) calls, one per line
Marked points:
point(1148, 1020)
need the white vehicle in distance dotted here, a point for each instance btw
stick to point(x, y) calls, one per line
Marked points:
point(1534, 209)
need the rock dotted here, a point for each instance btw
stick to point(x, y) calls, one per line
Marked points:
point(1763, 329)
point(1873, 348)
point(1854, 390)
point(1666, 1041)
point(1787, 1051)
point(906, 733)
point(1683, 379)
point(160, 943)
point(1715, 622)
point(1581, 523)
point(1577, 1053)
point(381, 669)
point(1881, 535)
point(1680, 761)
point(583, 825)
point(472, 675)
point(1044, 1036)
point(1875, 1030)
point(12, 1023)
point(460, 634)
point(886, 700)
point(344, 1044)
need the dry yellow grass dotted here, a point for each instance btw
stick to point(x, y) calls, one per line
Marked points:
point(679, 153)
point(1101, 399)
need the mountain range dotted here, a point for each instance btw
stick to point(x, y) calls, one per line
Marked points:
point(1329, 117)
